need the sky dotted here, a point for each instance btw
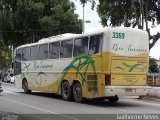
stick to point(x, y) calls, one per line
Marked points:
point(95, 24)
point(155, 51)
point(89, 14)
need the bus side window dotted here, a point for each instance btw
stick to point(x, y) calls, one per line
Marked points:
point(17, 67)
point(34, 53)
point(80, 46)
point(43, 51)
point(25, 54)
point(95, 44)
point(66, 49)
point(54, 50)
point(19, 54)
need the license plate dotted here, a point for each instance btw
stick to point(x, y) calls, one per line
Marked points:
point(129, 90)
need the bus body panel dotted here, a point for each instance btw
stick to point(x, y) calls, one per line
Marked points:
point(123, 91)
point(47, 75)
point(124, 60)
point(18, 81)
point(43, 75)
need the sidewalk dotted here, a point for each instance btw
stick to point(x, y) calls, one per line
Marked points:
point(153, 94)
point(153, 91)
point(150, 98)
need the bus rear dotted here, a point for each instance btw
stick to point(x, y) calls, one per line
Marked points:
point(125, 62)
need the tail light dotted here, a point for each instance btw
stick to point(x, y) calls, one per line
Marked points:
point(107, 80)
point(147, 80)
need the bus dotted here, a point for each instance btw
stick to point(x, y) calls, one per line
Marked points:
point(108, 63)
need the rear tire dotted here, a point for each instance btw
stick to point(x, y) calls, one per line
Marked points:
point(25, 87)
point(66, 91)
point(113, 99)
point(77, 92)
point(1, 90)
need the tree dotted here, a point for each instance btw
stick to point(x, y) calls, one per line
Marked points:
point(93, 3)
point(26, 21)
point(153, 66)
point(130, 13)
point(5, 55)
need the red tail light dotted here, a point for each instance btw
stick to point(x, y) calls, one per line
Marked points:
point(147, 80)
point(107, 80)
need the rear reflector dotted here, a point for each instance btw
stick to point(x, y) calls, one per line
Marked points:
point(107, 80)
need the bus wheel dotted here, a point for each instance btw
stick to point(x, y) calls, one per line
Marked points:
point(77, 92)
point(113, 99)
point(66, 91)
point(25, 87)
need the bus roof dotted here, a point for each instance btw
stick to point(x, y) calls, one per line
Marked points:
point(66, 36)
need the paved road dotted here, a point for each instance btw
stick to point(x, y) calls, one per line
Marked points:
point(42, 106)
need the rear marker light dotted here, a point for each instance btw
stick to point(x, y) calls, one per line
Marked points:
point(107, 80)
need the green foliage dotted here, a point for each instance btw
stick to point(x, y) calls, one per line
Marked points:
point(153, 66)
point(93, 3)
point(26, 21)
point(130, 13)
point(118, 11)
point(5, 55)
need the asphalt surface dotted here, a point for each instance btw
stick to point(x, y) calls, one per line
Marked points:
point(16, 105)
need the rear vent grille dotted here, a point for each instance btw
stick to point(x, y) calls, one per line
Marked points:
point(92, 83)
point(91, 77)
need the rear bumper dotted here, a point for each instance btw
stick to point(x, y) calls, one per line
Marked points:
point(126, 90)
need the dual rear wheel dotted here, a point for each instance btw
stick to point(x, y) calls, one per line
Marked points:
point(68, 93)
point(113, 99)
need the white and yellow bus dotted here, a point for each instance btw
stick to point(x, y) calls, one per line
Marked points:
point(103, 64)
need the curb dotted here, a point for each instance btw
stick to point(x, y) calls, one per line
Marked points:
point(150, 98)
point(153, 91)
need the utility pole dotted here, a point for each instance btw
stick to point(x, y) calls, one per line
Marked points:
point(87, 21)
point(12, 56)
point(83, 18)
